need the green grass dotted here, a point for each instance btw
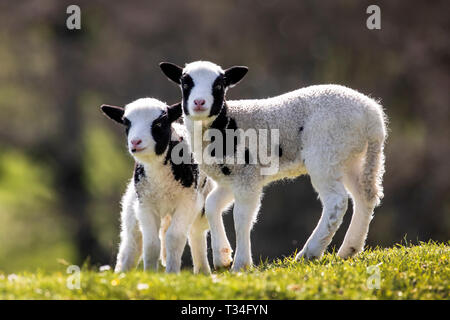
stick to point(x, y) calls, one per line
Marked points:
point(406, 272)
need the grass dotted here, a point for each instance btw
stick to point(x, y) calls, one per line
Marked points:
point(405, 272)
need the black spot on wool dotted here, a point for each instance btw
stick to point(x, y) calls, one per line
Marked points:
point(139, 173)
point(225, 170)
point(186, 87)
point(185, 173)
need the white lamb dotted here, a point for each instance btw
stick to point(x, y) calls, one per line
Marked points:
point(333, 133)
point(163, 197)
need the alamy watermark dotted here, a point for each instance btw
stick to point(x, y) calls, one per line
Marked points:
point(232, 147)
point(73, 21)
point(373, 22)
point(374, 280)
point(73, 281)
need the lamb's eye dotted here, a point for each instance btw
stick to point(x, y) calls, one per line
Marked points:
point(185, 86)
point(218, 87)
point(158, 125)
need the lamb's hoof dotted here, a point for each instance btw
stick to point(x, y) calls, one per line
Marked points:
point(225, 260)
point(204, 270)
point(306, 255)
point(349, 252)
point(121, 268)
point(240, 267)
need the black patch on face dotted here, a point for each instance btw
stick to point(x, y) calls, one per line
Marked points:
point(225, 170)
point(185, 173)
point(161, 131)
point(127, 124)
point(218, 93)
point(139, 173)
point(186, 86)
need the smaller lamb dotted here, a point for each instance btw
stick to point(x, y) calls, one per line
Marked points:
point(163, 198)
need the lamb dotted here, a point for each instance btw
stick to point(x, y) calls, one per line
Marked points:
point(333, 133)
point(163, 195)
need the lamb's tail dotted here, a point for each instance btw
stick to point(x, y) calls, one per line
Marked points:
point(373, 170)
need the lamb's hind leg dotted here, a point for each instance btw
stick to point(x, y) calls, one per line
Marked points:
point(149, 224)
point(176, 237)
point(355, 237)
point(130, 247)
point(334, 198)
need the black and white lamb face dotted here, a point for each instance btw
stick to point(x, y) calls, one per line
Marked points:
point(203, 86)
point(147, 124)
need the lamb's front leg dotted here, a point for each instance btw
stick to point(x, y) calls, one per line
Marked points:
point(130, 235)
point(246, 208)
point(130, 247)
point(130, 239)
point(216, 202)
point(151, 245)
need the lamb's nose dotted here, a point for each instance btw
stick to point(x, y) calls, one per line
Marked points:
point(136, 142)
point(199, 102)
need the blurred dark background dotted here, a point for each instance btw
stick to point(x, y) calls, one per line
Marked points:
point(64, 166)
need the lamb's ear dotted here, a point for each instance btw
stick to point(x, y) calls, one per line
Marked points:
point(174, 112)
point(113, 112)
point(172, 71)
point(234, 74)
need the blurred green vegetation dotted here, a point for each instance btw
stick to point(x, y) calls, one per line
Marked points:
point(63, 166)
point(108, 168)
point(30, 232)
